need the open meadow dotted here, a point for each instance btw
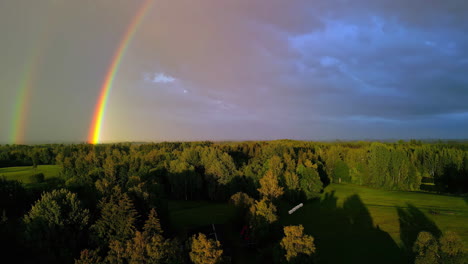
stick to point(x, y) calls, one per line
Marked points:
point(365, 225)
point(22, 173)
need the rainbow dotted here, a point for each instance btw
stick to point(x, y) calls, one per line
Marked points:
point(98, 117)
point(22, 102)
point(29, 77)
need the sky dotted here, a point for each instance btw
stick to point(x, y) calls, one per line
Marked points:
point(235, 70)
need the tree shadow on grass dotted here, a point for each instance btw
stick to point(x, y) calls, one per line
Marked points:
point(347, 234)
point(412, 221)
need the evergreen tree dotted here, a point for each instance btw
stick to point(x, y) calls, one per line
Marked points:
point(117, 220)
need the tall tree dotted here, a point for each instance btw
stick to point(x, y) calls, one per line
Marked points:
point(262, 216)
point(55, 224)
point(426, 249)
point(298, 246)
point(117, 220)
point(269, 186)
point(309, 182)
point(451, 248)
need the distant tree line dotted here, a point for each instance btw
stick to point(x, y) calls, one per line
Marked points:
point(191, 170)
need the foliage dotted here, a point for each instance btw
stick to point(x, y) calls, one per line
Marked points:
point(241, 200)
point(341, 172)
point(89, 257)
point(264, 210)
point(296, 243)
point(117, 218)
point(152, 226)
point(13, 198)
point(448, 249)
point(426, 249)
point(309, 182)
point(148, 246)
point(205, 251)
point(55, 223)
point(130, 179)
point(451, 248)
point(262, 215)
point(270, 188)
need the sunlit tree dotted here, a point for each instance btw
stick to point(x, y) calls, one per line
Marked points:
point(269, 186)
point(204, 250)
point(296, 243)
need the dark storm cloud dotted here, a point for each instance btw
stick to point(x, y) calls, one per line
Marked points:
point(249, 69)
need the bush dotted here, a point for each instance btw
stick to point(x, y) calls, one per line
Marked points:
point(36, 178)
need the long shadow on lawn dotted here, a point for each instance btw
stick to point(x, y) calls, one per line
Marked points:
point(348, 235)
point(412, 221)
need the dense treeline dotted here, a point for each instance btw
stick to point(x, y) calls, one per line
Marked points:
point(215, 170)
point(109, 204)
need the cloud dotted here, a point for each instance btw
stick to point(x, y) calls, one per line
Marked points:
point(307, 69)
point(160, 78)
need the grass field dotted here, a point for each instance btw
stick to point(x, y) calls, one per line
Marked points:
point(21, 173)
point(367, 225)
point(192, 214)
point(352, 224)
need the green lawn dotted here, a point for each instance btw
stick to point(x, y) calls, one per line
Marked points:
point(191, 214)
point(351, 224)
point(21, 173)
point(367, 225)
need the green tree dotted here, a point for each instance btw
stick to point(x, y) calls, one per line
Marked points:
point(262, 216)
point(148, 246)
point(89, 257)
point(13, 198)
point(309, 182)
point(426, 249)
point(117, 220)
point(276, 166)
point(451, 248)
point(292, 180)
point(241, 200)
point(152, 226)
point(204, 250)
point(55, 224)
point(160, 250)
point(269, 186)
point(184, 181)
point(341, 172)
point(296, 244)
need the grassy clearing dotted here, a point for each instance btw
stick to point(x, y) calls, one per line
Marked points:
point(351, 224)
point(447, 212)
point(191, 214)
point(367, 225)
point(22, 173)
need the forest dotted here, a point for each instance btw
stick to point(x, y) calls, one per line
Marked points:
point(133, 203)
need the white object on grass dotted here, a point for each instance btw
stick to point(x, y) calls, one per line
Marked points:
point(295, 208)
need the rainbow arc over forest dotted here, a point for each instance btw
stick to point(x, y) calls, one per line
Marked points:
point(21, 109)
point(26, 86)
point(98, 117)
